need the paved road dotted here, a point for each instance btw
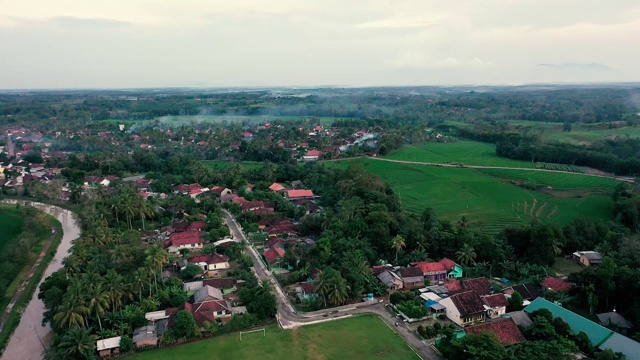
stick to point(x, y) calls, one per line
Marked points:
point(289, 318)
point(619, 178)
point(30, 337)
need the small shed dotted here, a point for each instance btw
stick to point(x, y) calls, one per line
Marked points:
point(145, 336)
point(108, 347)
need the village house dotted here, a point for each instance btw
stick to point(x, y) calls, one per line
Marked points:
point(274, 255)
point(185, 240)
point(464, 308)
point(411, 277)
point(391, 280)
point(108, 347)
point(211, 262)
point(506, 331)
point(312, 155)
point(496, 305)
point(529, 291)
point(276, 187)
point(439, 271)
point(298, 195)
point(307, 291)
point(588, 258)
point(226, 285)
point(221, 191)
point(555, 284)
point(208, 305)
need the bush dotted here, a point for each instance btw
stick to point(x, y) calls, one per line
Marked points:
point(126, 344)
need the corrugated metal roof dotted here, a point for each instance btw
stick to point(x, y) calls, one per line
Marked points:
point(620, 343)
point(597, 334)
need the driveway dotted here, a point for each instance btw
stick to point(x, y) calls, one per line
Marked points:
point(30, 337)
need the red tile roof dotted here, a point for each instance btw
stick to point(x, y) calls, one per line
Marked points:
point(448, 263)
point(506, 330)
point(410, 272)
point(185, 235)
point(218, 258)
point(276, 187)
point(430, 267)
point(197, 225)
point(187, 241)
point(468, 303)
point(454, 286)
point(273, 241)
point(479, 285)
point(377, 270)
point(272, 254)
point(556, 284)
point(495, 300)
point(292, 194)
point(308, 287)
point(227, 283)
point(313, 153)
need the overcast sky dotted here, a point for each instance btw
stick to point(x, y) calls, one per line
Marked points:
point(156, 43)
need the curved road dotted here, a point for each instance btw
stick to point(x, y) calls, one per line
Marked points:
point(464, 166)
point(30, 337)
point(289, 318)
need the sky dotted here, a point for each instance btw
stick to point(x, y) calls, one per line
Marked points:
point(221, 43)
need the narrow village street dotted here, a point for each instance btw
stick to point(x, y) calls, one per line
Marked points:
point(289, 318)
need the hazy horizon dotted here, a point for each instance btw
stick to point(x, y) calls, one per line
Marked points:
point(74, 44)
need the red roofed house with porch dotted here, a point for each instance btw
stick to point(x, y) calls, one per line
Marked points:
point(439, 271)
point(312, 155)
point(184, 240)
point(496, 305)
point(464, 308)
point(211, 262)
point(298, 194)
point(273, 255)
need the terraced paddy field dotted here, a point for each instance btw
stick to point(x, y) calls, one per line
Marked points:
point(463, 151)
point(494, 197)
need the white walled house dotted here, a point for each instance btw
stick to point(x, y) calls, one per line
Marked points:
point(464, 308)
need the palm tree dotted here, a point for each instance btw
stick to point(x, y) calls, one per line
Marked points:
point(115, 207)
point(323, 284)
point(139, 280)
point(466, 255)
point(156, 258)
point(97, 301)
point(397, 243)
point(70, 314)
point(114, 286)
point(339, 292)
point(556, 247)
point(78, 343)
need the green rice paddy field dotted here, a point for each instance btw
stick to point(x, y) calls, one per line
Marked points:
point(360, 337)
point(492, 196)
point(465, 152)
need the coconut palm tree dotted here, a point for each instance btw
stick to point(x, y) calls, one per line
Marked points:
point(70, 314)
point(339, 292)
point(78, 343)
point(398, 243)
point(156, 258)
point(323, 284)
point(97, 302)
point(114, 286)
point(140, 277)
point(466, 255)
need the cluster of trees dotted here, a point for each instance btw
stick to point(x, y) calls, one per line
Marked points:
point(410, 304)
point(104, 289)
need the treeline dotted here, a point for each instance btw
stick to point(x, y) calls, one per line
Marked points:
point(614, 156)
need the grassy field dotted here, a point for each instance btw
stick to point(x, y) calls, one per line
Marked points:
point(362, 337)
point(465, 152)
point(565, 267)
point(492, 196)
point(10, 223)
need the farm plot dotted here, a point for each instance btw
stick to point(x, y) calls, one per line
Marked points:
point(491, 199)
point(464, 152)
point(559, 167)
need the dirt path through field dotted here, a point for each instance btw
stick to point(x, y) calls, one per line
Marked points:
point(619, 178)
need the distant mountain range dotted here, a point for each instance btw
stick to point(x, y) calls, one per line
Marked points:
point(577, 66)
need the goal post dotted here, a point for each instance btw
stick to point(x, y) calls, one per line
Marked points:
point(264, 332)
